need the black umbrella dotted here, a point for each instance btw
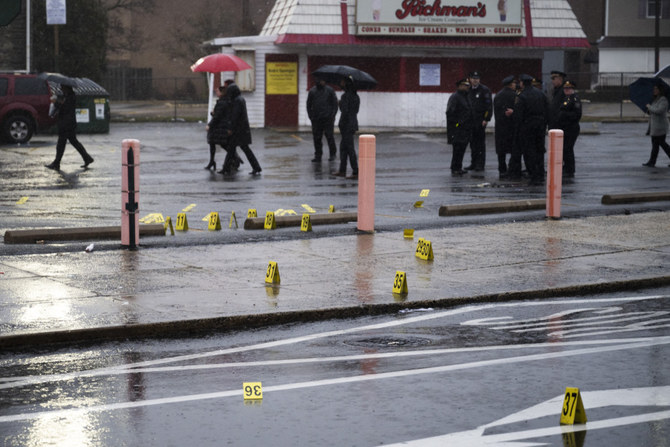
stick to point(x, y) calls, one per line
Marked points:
point(60, 79)
point(333, 74)
point(641, 91)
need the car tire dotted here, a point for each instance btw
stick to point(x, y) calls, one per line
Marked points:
point(18, 129)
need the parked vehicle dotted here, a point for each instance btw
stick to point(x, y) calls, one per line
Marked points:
point(24, 106)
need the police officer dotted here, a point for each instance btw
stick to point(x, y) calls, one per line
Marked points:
point(480, 99)
point(530, 116)
point(557, 97)
point(503, 108)
point(459, 125)
point(569, 114)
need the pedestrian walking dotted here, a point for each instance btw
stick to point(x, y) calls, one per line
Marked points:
point(557, 97)
point(217, 129)
point(460, 121)
point(503, 109)
point(348, 125)
point(658, 124)
point(480, 100)
point(530, 116)
point(321, 110)
point(66, 119)
point(569, 114)
point(239, 133)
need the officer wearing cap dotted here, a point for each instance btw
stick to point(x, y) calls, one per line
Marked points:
point(557, 96)
point(569, 114)
point(530, 117)
point(459, 125)
point(480, 98)
point(503, 109)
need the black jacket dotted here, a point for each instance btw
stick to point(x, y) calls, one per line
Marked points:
point(460, 119)
point(239, 120)
point(66, 112)
point(569, 113)
point(349, 105)
point(504, 127)
point(557, 98)
point(480, 99)
point(321, 103)
point(530, 111)
point(220, 122)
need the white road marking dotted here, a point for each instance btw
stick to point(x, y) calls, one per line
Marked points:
point(335, 381)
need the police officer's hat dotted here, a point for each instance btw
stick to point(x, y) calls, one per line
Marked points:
point(526, 79)
point(569, 84)
point(558, 73)
point(462, 81)
point(508, 80)
point(474, 74)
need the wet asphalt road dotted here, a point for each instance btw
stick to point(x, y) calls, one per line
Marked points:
point(173, 179)
point(471, 376)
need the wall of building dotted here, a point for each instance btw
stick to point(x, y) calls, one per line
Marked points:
point(627, 18)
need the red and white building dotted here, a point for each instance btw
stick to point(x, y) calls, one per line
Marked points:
point(416, 49)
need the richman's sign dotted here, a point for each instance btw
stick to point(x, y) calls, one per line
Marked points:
point(488, 18)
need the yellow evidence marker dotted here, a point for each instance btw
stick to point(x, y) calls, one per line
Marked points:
point(214, 221)
point(182, 222)
point(573, 408)
point(252, 390)
point(272, 273)
point(400, 283)
point(331, 209)
point(308, 208)
point(168, 224)
point(306, 224)
point(270, 223)
point(418, 204)
point(22, 200)
point(424, 250)
point(233, 218)
point(251, 213)
point(408, 233)
point(424, 193)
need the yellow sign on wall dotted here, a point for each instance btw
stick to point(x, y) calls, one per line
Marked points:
point(281, 78)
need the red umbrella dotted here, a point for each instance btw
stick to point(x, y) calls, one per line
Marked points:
point(218, 62)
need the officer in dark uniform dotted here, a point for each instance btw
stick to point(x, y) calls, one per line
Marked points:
point(503, 108)
point(480, 99)
point(530, 116)
point(569, 114)
point(557, 97)
point(459, 125)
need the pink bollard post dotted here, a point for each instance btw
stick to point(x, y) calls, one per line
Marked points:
point(366, 183)
point(130, 193)
point(555, 174)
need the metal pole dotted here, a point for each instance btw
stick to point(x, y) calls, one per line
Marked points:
point(28, 43)
point(621, 100)
point(175, 100)
point(657, 39)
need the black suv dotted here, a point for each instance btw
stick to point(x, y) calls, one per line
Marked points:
point(24, 106)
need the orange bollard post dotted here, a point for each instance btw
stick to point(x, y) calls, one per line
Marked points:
point(555, 174)
point(366, 183)
point(130, 193)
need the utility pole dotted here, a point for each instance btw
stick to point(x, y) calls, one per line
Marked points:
point(657, 40)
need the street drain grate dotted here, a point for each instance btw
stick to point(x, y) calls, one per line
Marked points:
point(390, 341)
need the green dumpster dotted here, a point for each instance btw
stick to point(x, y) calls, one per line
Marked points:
point(92, 106)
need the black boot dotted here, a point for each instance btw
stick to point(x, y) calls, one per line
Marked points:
point(211, 165)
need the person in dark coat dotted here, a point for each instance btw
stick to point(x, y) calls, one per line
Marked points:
point(658, 124)
point(503, 109)
point(480, 99)
point(557, 97)
point(218, 126)
point(321, 109)
point(530, 117)
point(348, 125)
point(66, 119)
point(239, 133)
point(460, 122)
point(569, 114)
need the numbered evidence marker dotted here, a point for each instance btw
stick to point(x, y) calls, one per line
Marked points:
point(168, 224)
point(272, 273)
point(306, 224)
point(270, 223)
point(573, 408)
point(424, 193)
point(252, 390)
point(418, 204)
point(214, 221)
point(182, 222)
point(251, 213)
point(331, 209)
point(408, 233)
point(400, 283)
point(233, 218)
point(424, 250)
point(22, 200)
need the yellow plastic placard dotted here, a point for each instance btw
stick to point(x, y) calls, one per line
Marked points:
point(182, 222)
point(272, 273)
point(214, 221)
point(252, 390)
point(400, 283)
point(408, 233)
point(306, 224)
point(270, 223)
point(331, 209)
point(424, 193)
point(168, 224)
point(424, 250)
point(308, 208)
point(233, 218)
point(22, 200)
point(153, 218)
point(573, 408)
point(251, 213)
point(418, 204)
point(189, 208)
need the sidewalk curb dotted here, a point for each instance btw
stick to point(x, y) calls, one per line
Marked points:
point(207, 326)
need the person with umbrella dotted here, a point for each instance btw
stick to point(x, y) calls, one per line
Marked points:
point(66, 119)
point(217, 129)
point(658, 123)
point(321, 110)
point(348, 125)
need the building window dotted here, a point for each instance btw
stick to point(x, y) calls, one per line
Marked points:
point(651, 8)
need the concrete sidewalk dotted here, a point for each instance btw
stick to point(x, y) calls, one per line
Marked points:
point(162, 292)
